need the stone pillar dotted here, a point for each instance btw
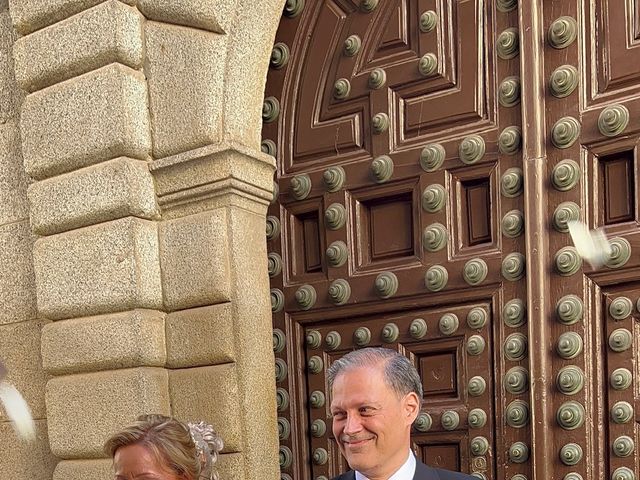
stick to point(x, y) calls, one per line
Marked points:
point(140, 129)
point(19, 325)
point(214, 186)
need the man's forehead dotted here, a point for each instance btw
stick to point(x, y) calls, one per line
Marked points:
point(357, 398)
point(365, 368)
point(362, 373)
point(361, 381)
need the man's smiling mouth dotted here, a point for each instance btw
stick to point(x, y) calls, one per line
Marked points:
point(354, 443)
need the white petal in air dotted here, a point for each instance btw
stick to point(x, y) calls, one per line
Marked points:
point(18, 411)
point(592, 245)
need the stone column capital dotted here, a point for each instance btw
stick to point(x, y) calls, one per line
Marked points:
point(226, 173)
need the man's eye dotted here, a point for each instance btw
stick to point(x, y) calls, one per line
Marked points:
point(366, 410)
point(338, 415)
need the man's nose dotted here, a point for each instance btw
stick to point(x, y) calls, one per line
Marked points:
point(352, 425)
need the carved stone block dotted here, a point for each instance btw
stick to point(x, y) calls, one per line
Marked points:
point(10, 95)
point(189, 334)
point(214, 16)
point(109, 32)
point(230, 465)
point(95, 194)
point(195, 260)
point(119, 340)
point(31, 15)
point(20, 352)
point(109, 267)
point(211, 394)
point(83, 121)
point(13, 180)
point(20, 463)
point(186, 108)
point(17, 282)
point(83, 410)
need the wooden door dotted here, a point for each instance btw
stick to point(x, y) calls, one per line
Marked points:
point(413, 210)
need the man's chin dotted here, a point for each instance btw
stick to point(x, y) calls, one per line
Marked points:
point(358, 458)
point(362, 464)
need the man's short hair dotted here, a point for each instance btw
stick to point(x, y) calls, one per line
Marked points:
point(399, 373)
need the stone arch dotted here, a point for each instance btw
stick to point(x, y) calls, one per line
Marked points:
point(171, 147)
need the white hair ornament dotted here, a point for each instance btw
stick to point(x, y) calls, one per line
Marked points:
point(208, 444)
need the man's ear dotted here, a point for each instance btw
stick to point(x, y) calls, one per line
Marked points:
point(411, 406)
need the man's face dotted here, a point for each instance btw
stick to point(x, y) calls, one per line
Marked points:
point(371, 423)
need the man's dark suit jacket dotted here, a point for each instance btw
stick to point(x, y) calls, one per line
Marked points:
point(422, 473)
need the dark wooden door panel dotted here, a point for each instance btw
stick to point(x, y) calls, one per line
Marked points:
point(593, 134)
point(398, 132)
point(614, 36)
point(413, 183)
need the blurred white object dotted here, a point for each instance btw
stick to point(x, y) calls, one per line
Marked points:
point(592, 245)
point(16, 408)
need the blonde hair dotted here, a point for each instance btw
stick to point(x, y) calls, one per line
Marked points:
point(171, 441)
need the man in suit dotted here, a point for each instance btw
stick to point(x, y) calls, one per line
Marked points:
point(376, 395)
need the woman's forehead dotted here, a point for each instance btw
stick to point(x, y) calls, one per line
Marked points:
point(140, 462)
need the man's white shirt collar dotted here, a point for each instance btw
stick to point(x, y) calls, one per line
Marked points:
point(405, 472)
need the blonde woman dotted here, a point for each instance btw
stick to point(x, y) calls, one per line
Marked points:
point(157, 447)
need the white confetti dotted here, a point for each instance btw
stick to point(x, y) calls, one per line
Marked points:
point(592, 245)
point(18, 411)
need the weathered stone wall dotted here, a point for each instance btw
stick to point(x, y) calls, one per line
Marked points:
point(140, 129)
point(20, 328)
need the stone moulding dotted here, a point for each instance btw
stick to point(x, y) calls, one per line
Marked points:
point(209, 172)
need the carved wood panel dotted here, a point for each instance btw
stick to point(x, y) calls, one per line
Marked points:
point(398, 220)
point(592, 165)
point(613, 36)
